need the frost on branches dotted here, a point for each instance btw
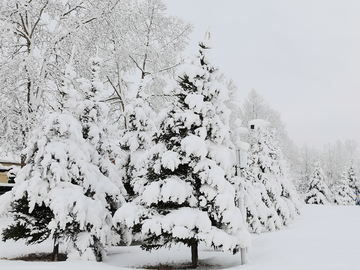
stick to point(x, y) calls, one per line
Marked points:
point(318, 191)
point(186, 196)
point(66, 190)
point(273, 199)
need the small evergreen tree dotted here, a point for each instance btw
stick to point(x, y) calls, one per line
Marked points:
point(343, 193)
point(318, 192)
point(186, 196)
point(351, 176)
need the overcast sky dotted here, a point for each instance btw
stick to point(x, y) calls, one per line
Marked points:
point(302, 56)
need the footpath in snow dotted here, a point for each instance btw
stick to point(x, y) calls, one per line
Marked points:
point(323, 237)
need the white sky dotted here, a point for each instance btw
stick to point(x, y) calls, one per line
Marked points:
point(303, 56)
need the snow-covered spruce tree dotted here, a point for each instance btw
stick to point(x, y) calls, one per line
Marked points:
point(257, 211)
point(107, 154)
point(137, 140)
point(62, 191)
point(318, 192)
point(186, 196)
point(354, 182)
point(251, 190)
point(267, 165)
point(92, 114)
point(342, 192)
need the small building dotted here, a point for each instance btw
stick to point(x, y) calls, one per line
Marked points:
point(6, 177)
point(5, 167)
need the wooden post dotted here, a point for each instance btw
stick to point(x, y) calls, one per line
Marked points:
point(22, 160)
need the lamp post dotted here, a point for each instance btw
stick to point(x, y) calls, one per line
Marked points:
point(241, 163)
point(241, 200)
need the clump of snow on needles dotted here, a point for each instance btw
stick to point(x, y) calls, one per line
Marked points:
point(194, 145)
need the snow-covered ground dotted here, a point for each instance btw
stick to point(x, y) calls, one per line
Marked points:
point(323, 237)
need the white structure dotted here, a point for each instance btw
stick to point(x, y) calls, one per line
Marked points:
point(256, 124)
point(241, 162)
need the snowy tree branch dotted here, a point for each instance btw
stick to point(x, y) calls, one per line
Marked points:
point(38, 20)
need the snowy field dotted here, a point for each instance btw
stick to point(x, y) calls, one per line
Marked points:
point(323, 237)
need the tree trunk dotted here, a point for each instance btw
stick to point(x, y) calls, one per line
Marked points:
point(194, 254)
point(55, 250)
point(22, 162)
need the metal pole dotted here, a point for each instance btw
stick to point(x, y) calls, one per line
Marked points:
point(241, 204)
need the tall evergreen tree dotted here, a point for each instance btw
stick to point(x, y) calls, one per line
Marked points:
point(63, 189)
point(186, 196)
point(318, 192)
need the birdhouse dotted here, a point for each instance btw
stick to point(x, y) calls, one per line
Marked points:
point(257, 124)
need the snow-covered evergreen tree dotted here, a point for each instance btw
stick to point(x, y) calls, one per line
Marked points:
point(137, 140)
point(92, 114)
point(249, 193)
point(64, 189)
point(267, 166)
point(318, 192)
point(107, 154)
point(258, 211)
point(186, 196)
point(352, 178)
point(342, 192)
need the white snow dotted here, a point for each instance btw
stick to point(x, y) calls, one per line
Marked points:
point(170, 160)
point(323, 237)
point(194, 145)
